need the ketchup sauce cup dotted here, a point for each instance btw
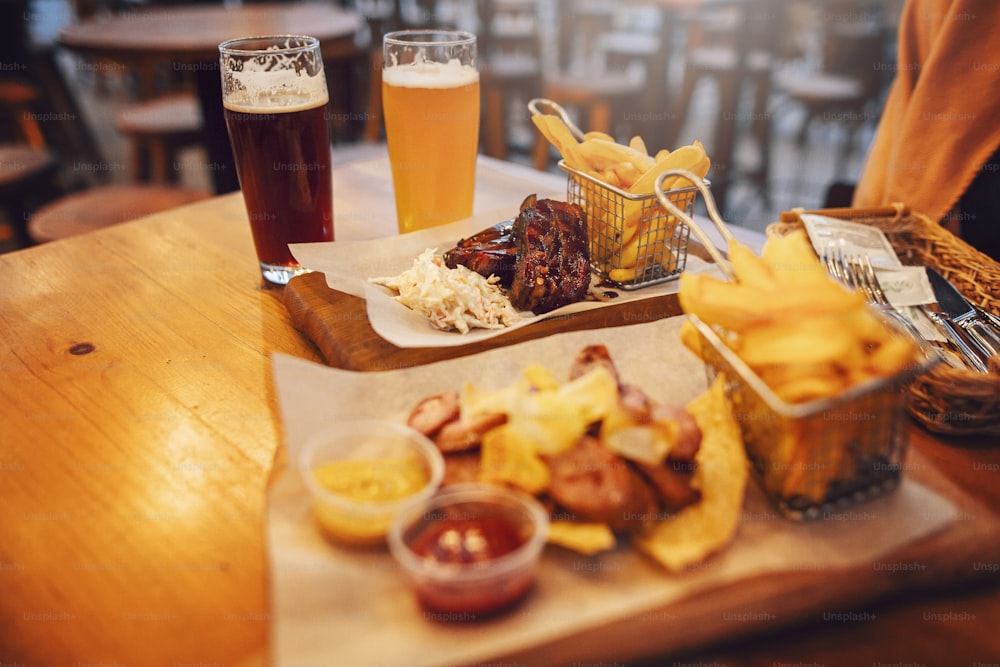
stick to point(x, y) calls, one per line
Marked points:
point(471, 551)
point(362, 473)
point(275, 98)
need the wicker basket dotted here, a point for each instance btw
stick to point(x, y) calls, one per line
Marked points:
point(944, 400)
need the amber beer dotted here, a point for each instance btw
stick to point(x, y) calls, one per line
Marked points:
point(430, 97)
point(278, 127)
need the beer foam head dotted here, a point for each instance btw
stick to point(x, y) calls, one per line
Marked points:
point(273, 78)
point(452, 74)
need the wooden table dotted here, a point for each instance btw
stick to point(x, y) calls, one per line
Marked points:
point(187, 38)
point(139, 426)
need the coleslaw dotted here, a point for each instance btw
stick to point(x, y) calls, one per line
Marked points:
point(451, 299)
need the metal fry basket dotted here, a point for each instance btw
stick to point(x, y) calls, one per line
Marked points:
point(817, 459)
point(633, 241)
point(814, 459)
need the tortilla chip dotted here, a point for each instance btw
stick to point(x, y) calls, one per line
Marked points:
point(583, 538)
point(508, 459)
point(701, 529)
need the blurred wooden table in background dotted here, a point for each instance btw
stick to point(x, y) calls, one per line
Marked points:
point(187, 38)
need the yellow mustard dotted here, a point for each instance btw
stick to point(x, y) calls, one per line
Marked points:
point(368, 481)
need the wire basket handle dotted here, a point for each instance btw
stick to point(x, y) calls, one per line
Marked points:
point(534, 105)
point(713, 214)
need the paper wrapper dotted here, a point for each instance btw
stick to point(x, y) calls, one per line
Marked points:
point(332, 605)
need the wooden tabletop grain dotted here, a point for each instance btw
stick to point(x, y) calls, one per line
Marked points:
point(138, 426)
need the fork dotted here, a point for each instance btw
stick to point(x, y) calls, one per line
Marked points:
point(969, 356)
point(863, 277)
point(858, 273)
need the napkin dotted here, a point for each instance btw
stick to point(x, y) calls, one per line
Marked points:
point(333, 605)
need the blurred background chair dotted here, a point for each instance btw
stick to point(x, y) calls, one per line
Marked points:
point(510, 72)
point(65, 184)
point(845, 88)
point(575, 74)
point(736, 47)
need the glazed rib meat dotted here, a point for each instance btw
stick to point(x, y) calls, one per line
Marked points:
point(553, 260)
point(542, 255)
point(489, 252)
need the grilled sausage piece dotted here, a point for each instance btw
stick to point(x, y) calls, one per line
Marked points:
point(672, 483)
point(467, 432)
point(688, 434)
point(600, 486)
point(432, 413)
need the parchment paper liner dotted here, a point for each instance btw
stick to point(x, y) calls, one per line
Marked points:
point(335, 606)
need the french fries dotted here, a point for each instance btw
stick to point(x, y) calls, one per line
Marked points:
point(807, 338)
point(639, 238)
point(802, 332)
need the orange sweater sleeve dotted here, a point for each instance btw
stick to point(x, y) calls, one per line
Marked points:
point(941, 120)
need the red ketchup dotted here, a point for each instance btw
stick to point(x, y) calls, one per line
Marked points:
point(470, 544)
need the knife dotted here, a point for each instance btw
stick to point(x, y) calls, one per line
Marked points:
point(962, 313)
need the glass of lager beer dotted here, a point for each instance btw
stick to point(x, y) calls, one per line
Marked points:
point(430, 98)
point(275, 101)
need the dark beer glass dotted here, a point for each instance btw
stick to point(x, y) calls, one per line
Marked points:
point(275, 100)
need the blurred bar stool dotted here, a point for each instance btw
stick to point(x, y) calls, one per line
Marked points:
point(107, 205)
point(510, 68)
point(744, 53)
point(158, 130)
point(602, 100)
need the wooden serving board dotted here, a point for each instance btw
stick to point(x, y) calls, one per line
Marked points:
point(714, 609)
point(337, 324)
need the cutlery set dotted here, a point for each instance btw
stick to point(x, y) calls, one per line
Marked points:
point(862, 258)
point(980, 326)
point(972, 332)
